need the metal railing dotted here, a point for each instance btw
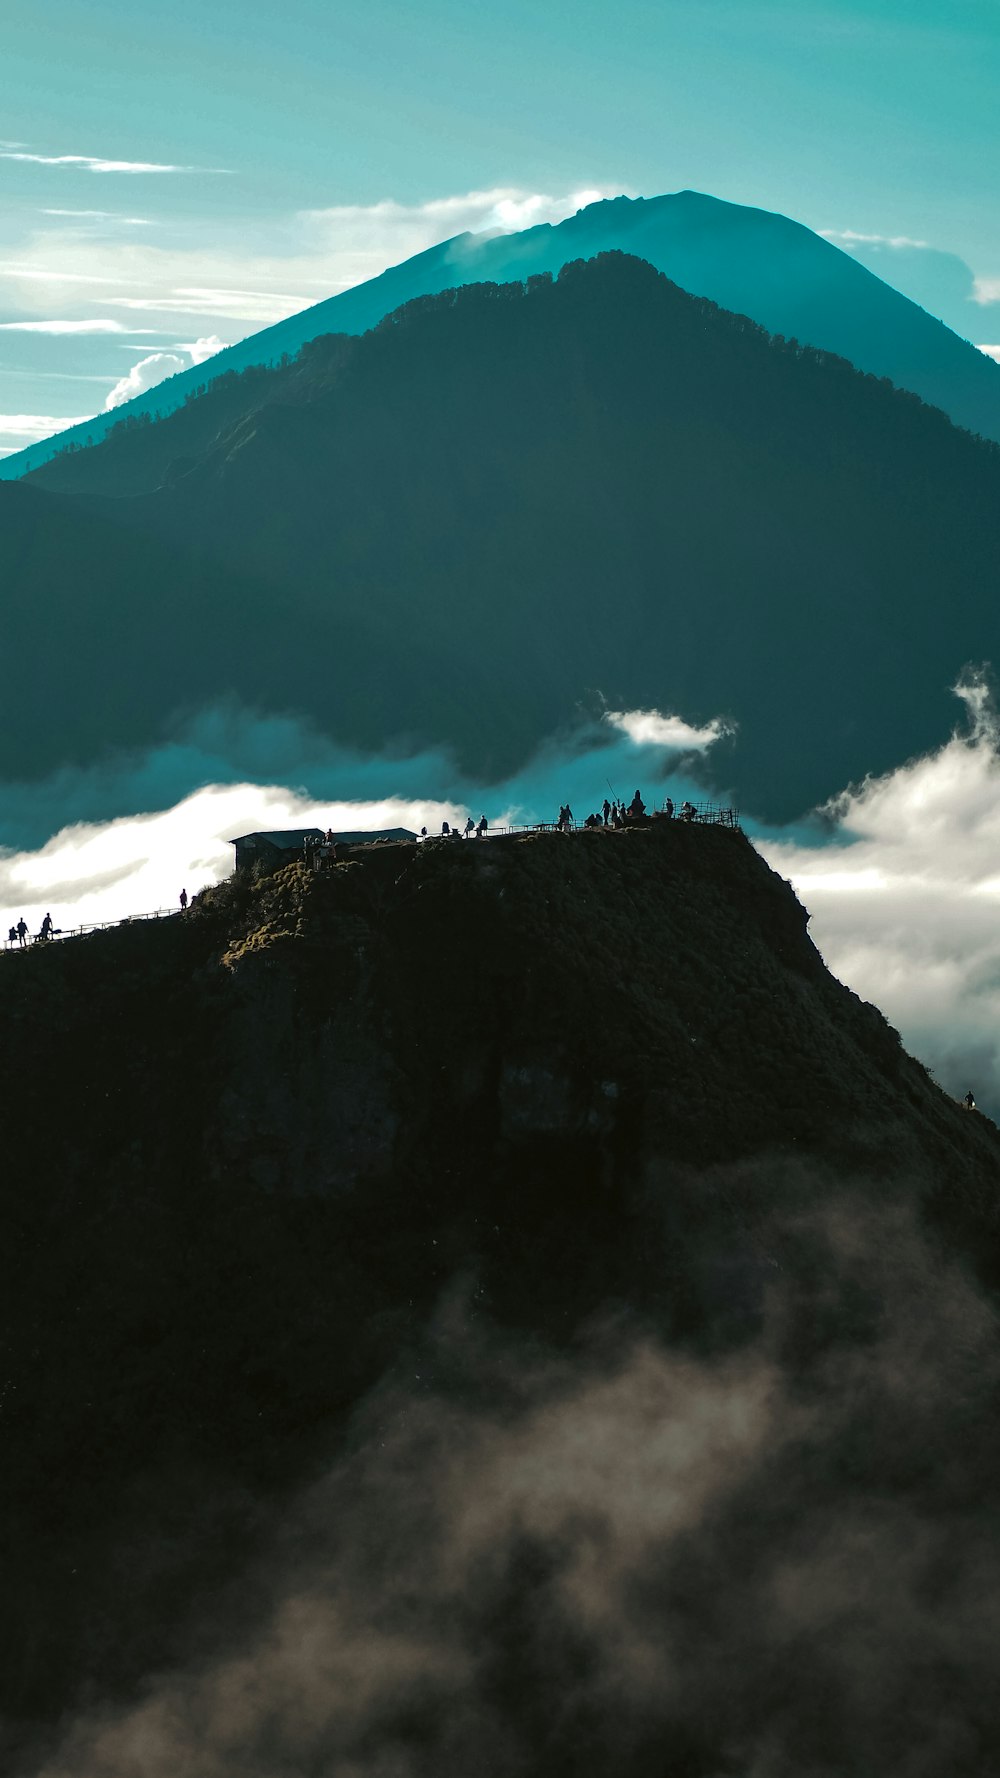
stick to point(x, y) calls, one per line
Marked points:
point(34, 939)
point(707, 814)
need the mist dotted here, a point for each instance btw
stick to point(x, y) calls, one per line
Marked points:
point(898, 873)
point(767, 1552)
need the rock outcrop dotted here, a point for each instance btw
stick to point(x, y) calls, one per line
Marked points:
point(255, 1153)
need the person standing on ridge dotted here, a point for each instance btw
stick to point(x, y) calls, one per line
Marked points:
point(969, 1102)
point(46, 927)
point(183, 899)
point(22, 930)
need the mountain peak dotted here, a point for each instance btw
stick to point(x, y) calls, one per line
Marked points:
point(728, 252)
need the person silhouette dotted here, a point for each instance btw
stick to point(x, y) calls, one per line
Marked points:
point(22, 930)
point(969, 1102)
point(183, 899)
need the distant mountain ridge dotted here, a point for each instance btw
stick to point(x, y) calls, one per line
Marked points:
point(753, 262)
point(468, 527)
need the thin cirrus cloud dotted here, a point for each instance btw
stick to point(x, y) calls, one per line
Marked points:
point(853, 237)
point(240, 305)
point(103, 325)
point(29, 427)
point(95, 163)
point(101, 216)
point(45, 275)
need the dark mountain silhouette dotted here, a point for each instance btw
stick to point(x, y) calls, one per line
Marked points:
point(468, 526)
point(490, 1307)
point(754, 262)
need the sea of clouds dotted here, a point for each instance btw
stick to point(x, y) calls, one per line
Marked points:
point(777, 1560)
point(901, 874)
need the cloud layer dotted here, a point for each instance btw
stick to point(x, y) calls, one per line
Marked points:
point(900, 875)
point(779, 1561)
point(906, 901)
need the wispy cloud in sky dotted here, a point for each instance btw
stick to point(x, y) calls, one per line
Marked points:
point(106, 325)
point(102, 216)
point(29, 427)
point(46, 275)
point(367, 237)
point(852, 236)
point(93, 163)
point(262, 306)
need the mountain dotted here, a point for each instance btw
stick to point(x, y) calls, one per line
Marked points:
point(472, 525)
point(490, 1307)
point(751, 261)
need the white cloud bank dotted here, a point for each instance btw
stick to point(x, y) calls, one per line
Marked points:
point(107, 871)
point(903, 888)
point(906, 905)
point(648, 728)
point(158, 366)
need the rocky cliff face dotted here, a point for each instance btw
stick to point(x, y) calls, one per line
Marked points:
point(377, 1167)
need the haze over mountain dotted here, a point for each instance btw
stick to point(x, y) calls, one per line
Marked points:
point(501, 507)
point(751, 261)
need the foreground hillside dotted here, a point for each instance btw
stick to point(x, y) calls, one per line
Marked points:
point(500, 508)
point(490, 1307)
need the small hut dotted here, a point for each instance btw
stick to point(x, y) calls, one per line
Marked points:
point(272, 850)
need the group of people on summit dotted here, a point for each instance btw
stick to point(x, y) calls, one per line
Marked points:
point(611, 814)
point(452, 831)
point(18, 935)
point(615, 814)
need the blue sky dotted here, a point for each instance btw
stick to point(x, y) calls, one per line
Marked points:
point(299, 148)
